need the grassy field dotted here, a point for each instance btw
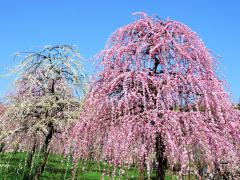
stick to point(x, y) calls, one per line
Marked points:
point(12, 166)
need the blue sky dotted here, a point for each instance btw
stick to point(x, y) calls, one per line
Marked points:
point(31, 24)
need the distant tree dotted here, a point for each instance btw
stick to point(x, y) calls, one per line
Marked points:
point(2, 110)
point(158, 97)
point(238, 106)
point(47, 97)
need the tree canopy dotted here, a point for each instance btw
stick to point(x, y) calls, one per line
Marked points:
point(48, 90)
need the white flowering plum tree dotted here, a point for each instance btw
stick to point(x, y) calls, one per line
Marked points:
point(47, 97)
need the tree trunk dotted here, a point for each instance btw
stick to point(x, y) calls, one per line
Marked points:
point(161, 160)
point(74, 170)
point(45, 153)
point(16, 148)
point(217, 174)
point(27, 175)
point(47, 139)
point(41, 168)
point(2, 145)
point(141, 169)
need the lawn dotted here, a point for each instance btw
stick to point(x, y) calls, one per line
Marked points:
point(12, 166)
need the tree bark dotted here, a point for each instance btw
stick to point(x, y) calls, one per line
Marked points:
point(47, 139)
point(45, 153)
point(74, 170)
point(41, 168)
point(161, 160)
point(141, 169)
point(2, 145)
point(27, 175)
point(16, 148)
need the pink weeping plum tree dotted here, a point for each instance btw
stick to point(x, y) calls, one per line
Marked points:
point(158, 102)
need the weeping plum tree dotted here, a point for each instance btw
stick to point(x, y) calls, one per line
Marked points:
point(158, 99)
point(47, 97)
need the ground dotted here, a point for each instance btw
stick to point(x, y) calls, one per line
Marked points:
point(12, 166)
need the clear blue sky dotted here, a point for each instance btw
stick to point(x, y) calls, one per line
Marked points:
point(27, 24)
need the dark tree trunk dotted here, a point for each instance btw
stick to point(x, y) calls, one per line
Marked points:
point(47, 139)
point(161, 160)
point(27, 175)
point(141, 169)
point(217, 174)
point(2, 145)
point(16, 148)
point(45, 153)
point(41, 168)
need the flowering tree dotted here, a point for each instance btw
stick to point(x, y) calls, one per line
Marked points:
point(238, 106)
point(47, 96)
point(158, 99)
point(2, 110)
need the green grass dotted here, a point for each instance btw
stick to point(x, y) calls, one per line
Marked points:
point(12, 166)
